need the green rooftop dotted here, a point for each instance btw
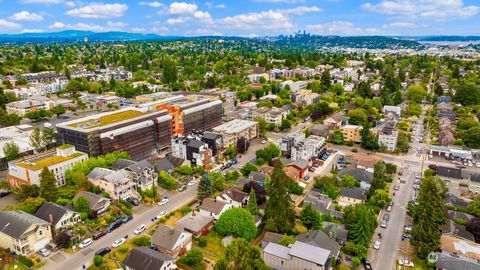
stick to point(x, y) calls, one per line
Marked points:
point(65, 146)
point(47, 161)
point(108, 119)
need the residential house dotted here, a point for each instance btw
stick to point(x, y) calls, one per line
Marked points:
point(23, 233)
point(457, 230)
point(322, 240)
point(336, 231)
point(233, 196)
point(449, 261)
point(143, 174)
point(451, 199)
point(351, 196)
point(168, 164)
point(320, 130)
point(352, 133)
point(195, 224)
point(117, 184)
point(27, 170)
point(271, 237)
point(460, 246)
point(59, 216)
point(334, 121)
point(171, 241)
point(365, 178)
point(213, 208)
point(297, 256)
point(397, 110)
point(258, 177)
point(362, 161)
point(144, 258)
point(96, 202)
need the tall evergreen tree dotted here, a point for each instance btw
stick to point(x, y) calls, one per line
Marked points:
point(280, 210)
point(325, 81)
point(205, 187)
point(48, 185)
point(310, 217)
point(252, 203)
point(364, 225)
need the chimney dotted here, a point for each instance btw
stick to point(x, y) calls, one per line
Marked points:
point(50, 218)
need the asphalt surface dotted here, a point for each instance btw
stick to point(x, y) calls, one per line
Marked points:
point(141, 214)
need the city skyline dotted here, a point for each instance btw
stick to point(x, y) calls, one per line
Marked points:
point(249, 18)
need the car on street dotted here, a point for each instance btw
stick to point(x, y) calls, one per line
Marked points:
point(118, 242)
point(182, 188)
point(396, 187)
point(163, 201)
point(386, 217)
point(127, 219)
point(98, 235)
point(191, 183)
point(140, 229)
point(477, 164)
point(376, 245)
point(44, 252)
point(263, 142)
point(85, 243)
point(103, 251)
point(114, 225)
point(406, 263)
point(366, 264)
point(306, 177)
point(133, 201)
point(384, 224)
point(163, 213)
point(389, 208)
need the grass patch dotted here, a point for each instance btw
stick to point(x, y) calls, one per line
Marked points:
point(47, 161)
point(172, 221)
point(109, 119)
point(214, 249)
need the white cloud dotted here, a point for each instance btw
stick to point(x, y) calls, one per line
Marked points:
point(281, 1)
point(342, 28)
point(212, 5)
point(154, 4)
point(300, 10)
point(6, 26)
point(87, 26)
point(176, 21)
point(138, 30)
point(399, 25)
point(182, 8)
point(206, 32)
point(203, 17)
point(158, 29)
point(70, 4)
point(32, 31)
point(429, 9)
point(257, 20)
point(99, 11)
point(26, 16)
point(45, 2)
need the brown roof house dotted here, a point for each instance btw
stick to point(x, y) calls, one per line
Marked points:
point(144, 258)
point(213, 208)
point(96, 202)
point(234, 197)
point(171, 241)
point(195, 224)
point(333, 121)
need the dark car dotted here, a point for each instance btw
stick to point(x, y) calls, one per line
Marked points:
point(103, 251)
point(127, 219)
point(367, 264)
point(4, 193)
point(114, 225)
point(98, 235)
point(133, 201)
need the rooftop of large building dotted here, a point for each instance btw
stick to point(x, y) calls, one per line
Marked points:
point(38, 162)
point(107, 119)
point(235, 126)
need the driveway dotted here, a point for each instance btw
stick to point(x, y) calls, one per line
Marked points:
point(142, 215)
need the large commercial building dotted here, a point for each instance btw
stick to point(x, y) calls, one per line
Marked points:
point(137, 131)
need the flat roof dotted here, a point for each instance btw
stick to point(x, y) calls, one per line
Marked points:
point(15, 134)
point(235, 126)
point(111, 118)
point(46, 161)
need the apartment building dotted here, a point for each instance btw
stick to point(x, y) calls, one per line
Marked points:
point(23, 107)
point(286, 143)
point(351, 133)
point(193, 149)
point(23, 233)
point(308, 149)
point(26, 171)
point(388, 139)
point(139, 132)
point(118, 184)
point(234, 130)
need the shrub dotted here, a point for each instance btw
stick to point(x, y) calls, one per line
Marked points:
point(25, 261)
point(202, 241)
point(123, 249)
point(193, 258)
point(142, 241)
point(98, 260)
point(238, 222)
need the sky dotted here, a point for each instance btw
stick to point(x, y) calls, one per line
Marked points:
point(248, 18)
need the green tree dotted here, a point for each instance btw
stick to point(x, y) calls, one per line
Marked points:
point(468, 93)
point(369, 140)
point(429, 215)
point(287, 240)
point(248, 168)
point(58, 110)
point(205, 187)
point(30, 205)
point(36, 140)
point(166, 181)
point(325, 81)
point(252, 203)
point(241, 255)
point(169, 72)
point(416, 93)
point(311, 218)
point(48, 185)
point(230, 152)
point(270, 152)
point(142, 241)
point(357, 117)
point(474, 207)
point(337, 137)
point(280, 208)
point(11, 151)
point(471, 137)
point(238, 222)
point(98, 260)
point(185, 170)
point(328, 185)
point(380, 198)
point(218, 180)
point(286, 124)
point(348, 181)
point(193, 258)
point(81, 205)
point(48, 137)
point(364, 226)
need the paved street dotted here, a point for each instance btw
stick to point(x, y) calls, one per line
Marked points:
point(142, 215)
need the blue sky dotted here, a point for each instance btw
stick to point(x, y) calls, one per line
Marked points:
point(245, 17)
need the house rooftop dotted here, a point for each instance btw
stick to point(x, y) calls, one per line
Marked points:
point(356, 193)
point(16, 223)
point(146, 259)
point(235, 126)
point(38, 162)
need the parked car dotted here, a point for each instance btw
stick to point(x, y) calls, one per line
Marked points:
point(98, 235)
point(163, 213)
point(114, 225)
point(389, 208)
point(44, 252)
point(182, 188)
point(118, 242)
point(140, 229)
point(376, 245)
point(191, 183)
point(85, 243)
point(384, 224)
point(406, 263)
point(366, 264)
point(133, 201)
point(163, 201)
point(52, 246)
point(103, 251)
point(127, 219)
point(306, 177)
point(386, 217)
point(263, 142)
point(396, 187)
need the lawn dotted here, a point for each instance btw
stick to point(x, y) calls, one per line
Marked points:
point(214, 249)
point(172, 221)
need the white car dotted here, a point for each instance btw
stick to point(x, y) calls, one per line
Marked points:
point(478, 164)
point(191, 183)
point(163, 201)
point(383, 224)
point(44, 252)
point(140, 229)
point(376, 245)
point(163, 213)
point(118, 242)
point(263, 142)
point(406, 263)
point(87, 242)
